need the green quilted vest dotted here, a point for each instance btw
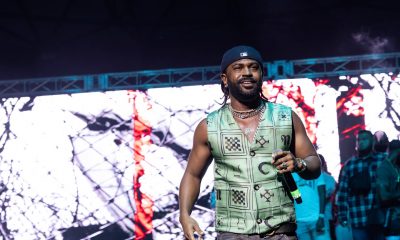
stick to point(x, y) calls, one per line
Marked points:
point(249, 196)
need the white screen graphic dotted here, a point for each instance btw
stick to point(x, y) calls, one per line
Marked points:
point(67, 161)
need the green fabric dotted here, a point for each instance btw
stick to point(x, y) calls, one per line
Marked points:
point(249, 197)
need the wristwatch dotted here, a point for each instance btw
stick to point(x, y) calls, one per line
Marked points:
point(302, 163)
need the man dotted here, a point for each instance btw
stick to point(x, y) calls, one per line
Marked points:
point(341, 231)
point(356, 194)
point(311, 212)
point(251, 201)
point(381, 143)
point(388, 178)
point(329, 191)
point(313, 216)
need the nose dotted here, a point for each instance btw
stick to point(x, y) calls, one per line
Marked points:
point(247, 72)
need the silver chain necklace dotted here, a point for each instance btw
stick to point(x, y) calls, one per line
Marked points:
point(247, 114)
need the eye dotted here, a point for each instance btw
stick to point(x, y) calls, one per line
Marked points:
point(236, 67)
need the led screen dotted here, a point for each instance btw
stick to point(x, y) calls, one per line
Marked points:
point(108, 165)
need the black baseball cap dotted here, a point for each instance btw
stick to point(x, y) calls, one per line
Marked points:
point(240, 52)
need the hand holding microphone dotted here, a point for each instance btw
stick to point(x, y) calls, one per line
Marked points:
point(285, 163)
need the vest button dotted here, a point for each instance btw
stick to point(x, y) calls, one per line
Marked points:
point(252, 153)
point(256, 187)
point(259, 221)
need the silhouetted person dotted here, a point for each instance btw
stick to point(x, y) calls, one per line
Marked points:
point(356, 194)
point(388, 178)
point(381, 143)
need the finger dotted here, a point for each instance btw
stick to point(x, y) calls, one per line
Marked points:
point(285, 162)
point(198, 230)
point(190, 236)
point(286, 167)
point(276, 154)
point(278, 161)
point(284, 170)
point(279, 153)
point(285, 156)
point(290, 160)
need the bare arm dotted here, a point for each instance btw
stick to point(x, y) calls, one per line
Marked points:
point(302, 148)
point(198, 162)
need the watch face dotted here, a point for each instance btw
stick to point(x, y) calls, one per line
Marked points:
point(304, 163)
point(303, 166)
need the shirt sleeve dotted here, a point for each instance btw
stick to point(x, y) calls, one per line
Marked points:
point(384, 180)
point(342, 194)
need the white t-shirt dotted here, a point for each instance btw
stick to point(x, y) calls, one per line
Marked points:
point(308, 210)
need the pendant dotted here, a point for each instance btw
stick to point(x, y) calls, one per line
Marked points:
point(247, 131)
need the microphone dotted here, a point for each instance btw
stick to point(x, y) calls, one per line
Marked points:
point(292, 187)
point(288, 180)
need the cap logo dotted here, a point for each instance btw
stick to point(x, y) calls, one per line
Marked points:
point(243, 54)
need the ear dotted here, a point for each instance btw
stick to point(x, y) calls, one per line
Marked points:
point(224, 79)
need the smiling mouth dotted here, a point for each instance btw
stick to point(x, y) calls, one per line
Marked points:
point(247, 80)
point(247, 83)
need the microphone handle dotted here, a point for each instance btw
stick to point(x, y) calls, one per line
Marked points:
point(292, 186)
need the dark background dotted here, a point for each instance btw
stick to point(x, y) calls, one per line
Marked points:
point(67, 37)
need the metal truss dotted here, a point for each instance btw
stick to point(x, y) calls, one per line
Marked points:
point(305, 68)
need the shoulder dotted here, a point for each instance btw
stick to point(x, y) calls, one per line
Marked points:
point(200, 133)
point(380, 156)
point(329, 179)
point(278, 106)
point(201, 127)
point(347, 165)
point(280, 111)
point(217, 112)
point(327, 176)
point(349, 162)
point(213, 118)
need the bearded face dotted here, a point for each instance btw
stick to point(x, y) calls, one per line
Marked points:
point(364, 143)
point(243, 79)
point(245, 89)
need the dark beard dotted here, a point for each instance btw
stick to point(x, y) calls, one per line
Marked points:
point(244, 96)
